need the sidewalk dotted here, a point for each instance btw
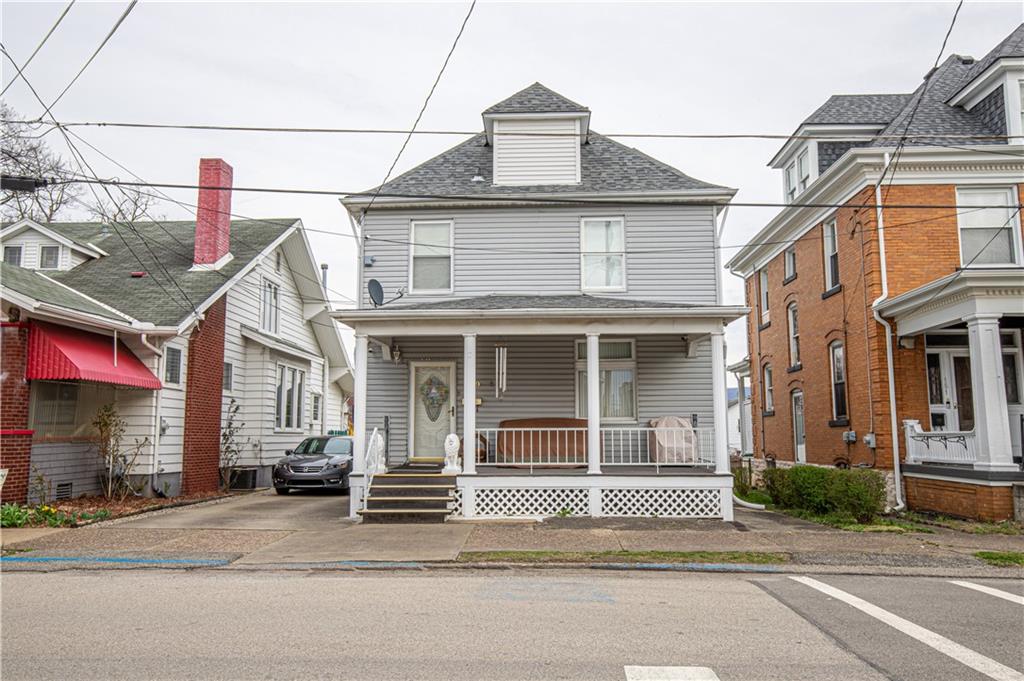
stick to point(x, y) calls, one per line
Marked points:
point(245, 538)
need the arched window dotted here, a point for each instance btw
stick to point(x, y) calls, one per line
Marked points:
point(837, 358)
point(794, 336)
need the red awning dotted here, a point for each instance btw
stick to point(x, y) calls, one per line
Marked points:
point(61, 353)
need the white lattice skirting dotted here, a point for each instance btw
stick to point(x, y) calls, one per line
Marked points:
point(512, 502)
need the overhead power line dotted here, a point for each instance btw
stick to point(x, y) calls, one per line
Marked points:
point(466, 133)
point(39, 47)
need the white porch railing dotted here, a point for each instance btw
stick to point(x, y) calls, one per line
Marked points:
point(939, 446)
point(632, 445)
point(375, 460)
point(533, 446)
point(620, 446)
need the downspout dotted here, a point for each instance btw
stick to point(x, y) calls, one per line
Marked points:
point(144, 340)
point(890, 373)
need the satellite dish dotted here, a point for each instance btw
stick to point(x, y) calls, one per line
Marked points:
point(376, 291)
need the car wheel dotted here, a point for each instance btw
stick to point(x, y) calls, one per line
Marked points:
point(282, 490)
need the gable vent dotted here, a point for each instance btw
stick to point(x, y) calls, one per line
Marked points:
point(549, 152)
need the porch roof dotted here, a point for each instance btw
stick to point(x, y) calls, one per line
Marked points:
point(538, 314)
point(948, 300)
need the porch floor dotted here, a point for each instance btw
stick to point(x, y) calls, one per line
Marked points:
point(485, 470)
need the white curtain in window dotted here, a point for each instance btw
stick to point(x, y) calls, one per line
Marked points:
point(986, 234)
point(604, 246)
point(618, 394)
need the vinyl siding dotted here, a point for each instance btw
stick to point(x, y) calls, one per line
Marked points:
point(541, 382)
point(32, 241)
point(59, 463)
point(670, 252)
point(537, 160)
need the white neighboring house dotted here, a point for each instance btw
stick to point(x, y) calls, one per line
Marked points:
point(170, 321)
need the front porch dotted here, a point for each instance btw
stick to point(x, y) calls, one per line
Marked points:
point(529, 447)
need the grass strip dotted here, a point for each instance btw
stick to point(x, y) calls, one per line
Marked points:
point(1001, 558)
point(750, 557)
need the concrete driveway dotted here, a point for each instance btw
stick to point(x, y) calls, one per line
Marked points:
point(313, 510)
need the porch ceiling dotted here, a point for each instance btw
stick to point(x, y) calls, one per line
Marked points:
point(950, 299)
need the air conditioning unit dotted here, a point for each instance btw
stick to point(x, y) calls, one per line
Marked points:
point(244, 478)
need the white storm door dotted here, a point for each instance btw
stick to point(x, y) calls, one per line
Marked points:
point(799, 431)
point(431, 407)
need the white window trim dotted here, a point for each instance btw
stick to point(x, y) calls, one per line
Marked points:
point(1014, 225)
point(451, 257)
point(789, 181)
point(581, 364)
point(230, 389)
point(621, 219)
point(794, 338)
point(826, 256)
point(803, 182)
point(60, 254)
point(300, 403)
point(768, 388)
point(789, 255)
point(264, 280)
point(318, 416)
point(181, 367)
point(762, 296)
point(832, 374)
point(21, 253)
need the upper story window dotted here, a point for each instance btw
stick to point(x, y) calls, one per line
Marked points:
point(790, 261)
point(794, 336)
point(790, 179)
point(270, 307)
point(278, 261)
point(837, 359)
point(172, 366)
point(49, 257)
point(12, 255)
point(769, 389)
point(603, 254)
point(431, 257)
point(830, 246)
point(803, 171)
point(762, 287)
point(988, 236)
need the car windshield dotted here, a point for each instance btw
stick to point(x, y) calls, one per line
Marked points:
point(325, 445)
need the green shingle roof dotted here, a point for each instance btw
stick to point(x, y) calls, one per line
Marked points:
point(41, 288)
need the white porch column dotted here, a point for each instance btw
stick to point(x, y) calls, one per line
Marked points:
point(594, 403)
point(720, 402)
point(469, 403)
point(741, 394)
point(991, 415)
point(358, 476)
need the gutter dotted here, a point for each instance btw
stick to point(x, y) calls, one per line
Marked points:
point(734, 311)
point(890, 374)
point(144, 340)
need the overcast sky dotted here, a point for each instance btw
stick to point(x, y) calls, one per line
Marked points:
point(669, 67)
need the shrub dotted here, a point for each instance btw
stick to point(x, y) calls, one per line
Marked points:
point(854, 493)
point(12, 515)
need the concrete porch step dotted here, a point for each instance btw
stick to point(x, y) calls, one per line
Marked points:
point(399, 515)
point(411, 490)
point(409, 503)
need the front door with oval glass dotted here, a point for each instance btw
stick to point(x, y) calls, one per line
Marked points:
point(432, 408)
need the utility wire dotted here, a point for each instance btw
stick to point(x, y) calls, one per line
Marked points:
point(110, 34)
point(39, 47)
point(423, 108)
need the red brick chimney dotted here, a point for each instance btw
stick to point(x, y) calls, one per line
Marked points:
point(213, 216)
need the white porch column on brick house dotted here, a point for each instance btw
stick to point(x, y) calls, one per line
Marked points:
point(991, 415)
point(469, 403)
point(720, 402)
point(594, 403)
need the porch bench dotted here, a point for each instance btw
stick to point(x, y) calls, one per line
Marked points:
point(542, 441)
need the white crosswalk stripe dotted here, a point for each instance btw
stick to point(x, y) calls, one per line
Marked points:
point(960, 653)
point(636, 673)
point(1006, 596)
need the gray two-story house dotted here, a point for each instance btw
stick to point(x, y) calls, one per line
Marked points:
point(559, 310)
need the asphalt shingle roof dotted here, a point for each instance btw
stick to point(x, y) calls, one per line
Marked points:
point(39, 287)
point(1011, 46)
point(165, 245)
point(606, 166)
point(857, 109)
point(536, 99)
point(551, 302)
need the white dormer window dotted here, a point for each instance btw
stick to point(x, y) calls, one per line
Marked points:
point(603, 255)
point(12, 255)
point(49, 257)
point(803, 171)
point(791, 182)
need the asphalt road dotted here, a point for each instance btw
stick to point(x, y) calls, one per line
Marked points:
point(543, 624)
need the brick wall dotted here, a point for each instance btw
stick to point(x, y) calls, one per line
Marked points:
point(203, 387)
point(962, 500)
point(16, 439)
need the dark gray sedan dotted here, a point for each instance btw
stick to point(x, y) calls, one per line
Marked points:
point(317, 463)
